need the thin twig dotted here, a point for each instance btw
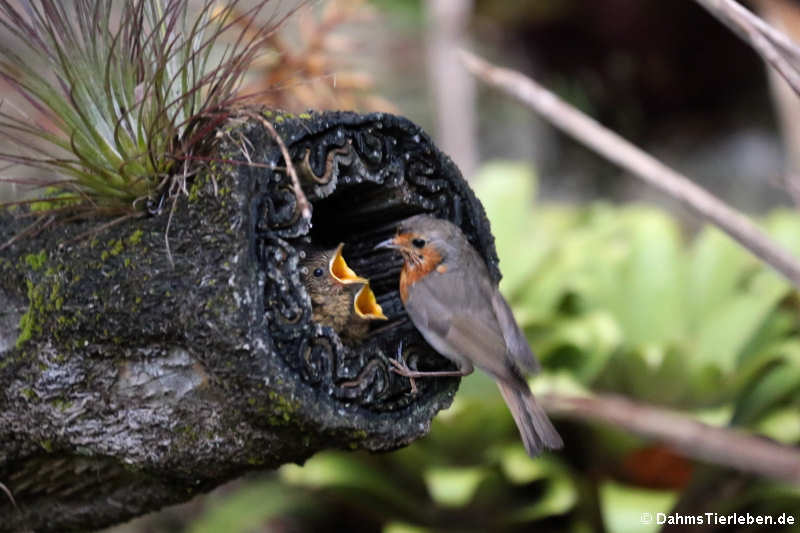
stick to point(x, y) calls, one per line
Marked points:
point(784, 42)
point(8, 494)
point(32, 229)
point(302, 201)
point(716, 445)
point(616, 149)
point(738, 15)
point(101, 228)
point(764, 39)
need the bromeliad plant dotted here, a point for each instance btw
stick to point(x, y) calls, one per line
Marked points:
point(121, 94)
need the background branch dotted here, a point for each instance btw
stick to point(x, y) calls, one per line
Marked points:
point(614, 148)
point(453, 87)
point(716, 445)
point(773, 46)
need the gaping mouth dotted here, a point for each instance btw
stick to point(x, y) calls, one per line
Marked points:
point(367, 306)
point(341, 271)
point(362, 215)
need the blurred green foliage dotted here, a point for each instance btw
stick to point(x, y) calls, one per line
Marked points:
point(613, 299)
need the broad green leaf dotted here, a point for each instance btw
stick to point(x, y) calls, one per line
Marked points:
point(778, 326)
point(560, 496)
point(453, 487)
point(646, 294)
point(401, 527)
point(778, 353)
point(582, 345)
point(716, 266)
point(582, 262)
point(628, 509)
point(778, 384)
point(340, 471)
point(507, 191)
point(784, 226)
point(248, 508)
point(782, 425)
point(521, 469)
point(707, 387)
point(724, 333)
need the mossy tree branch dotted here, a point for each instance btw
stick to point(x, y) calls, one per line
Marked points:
point(129, 381)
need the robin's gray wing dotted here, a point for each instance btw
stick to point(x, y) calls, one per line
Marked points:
point(517, 344)
point(454, 312)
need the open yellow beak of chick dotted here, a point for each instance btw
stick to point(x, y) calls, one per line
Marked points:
point(365, 304)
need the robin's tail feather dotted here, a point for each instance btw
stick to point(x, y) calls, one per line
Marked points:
point(535, 428)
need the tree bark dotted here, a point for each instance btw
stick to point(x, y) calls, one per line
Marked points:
point(136, 374)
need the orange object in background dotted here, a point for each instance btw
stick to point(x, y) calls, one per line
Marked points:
point(657, 467)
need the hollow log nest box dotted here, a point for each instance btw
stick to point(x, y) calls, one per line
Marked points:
point(134, 375)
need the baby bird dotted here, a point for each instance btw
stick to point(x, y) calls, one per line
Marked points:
point(340, 298)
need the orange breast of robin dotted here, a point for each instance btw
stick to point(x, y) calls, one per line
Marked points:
point(414, 271)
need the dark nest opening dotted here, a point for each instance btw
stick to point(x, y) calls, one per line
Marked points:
point(363, 174)
point(361, 216)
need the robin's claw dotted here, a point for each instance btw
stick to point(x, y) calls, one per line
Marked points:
point(399, 367)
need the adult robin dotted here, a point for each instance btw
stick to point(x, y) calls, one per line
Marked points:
point(450, 298)
point(340, 298)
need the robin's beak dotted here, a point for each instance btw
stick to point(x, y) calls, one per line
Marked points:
point(367, 306)
point(340, 271)
point(389, 243)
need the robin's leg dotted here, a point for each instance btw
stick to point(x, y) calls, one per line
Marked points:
point(399, 366)
point(401, 362)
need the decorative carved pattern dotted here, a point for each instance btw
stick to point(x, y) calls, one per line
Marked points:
point(362, 175)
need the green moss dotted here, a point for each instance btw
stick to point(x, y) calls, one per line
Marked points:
point(280, 409)
point(43, 300)
point(26, 321)
point(36, 261)
point(114, 248)
point(136, 237)
point(189, 434)
point(62, 405)
point(198, 183)
point(47, 445)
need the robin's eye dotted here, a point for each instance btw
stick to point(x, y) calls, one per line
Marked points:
point(318, 272)
point(418, 243)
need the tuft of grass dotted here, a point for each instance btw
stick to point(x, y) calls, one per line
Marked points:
point(121, 93)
